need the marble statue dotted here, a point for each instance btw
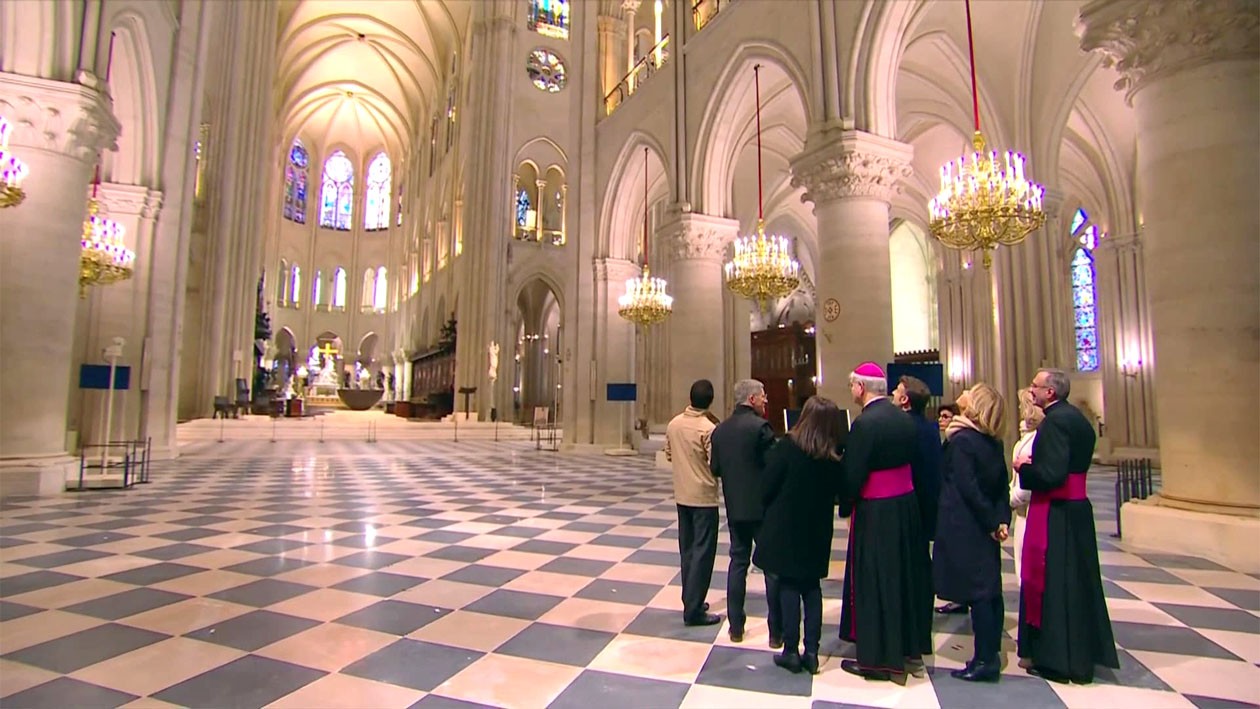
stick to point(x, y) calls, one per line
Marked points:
point(493, 349)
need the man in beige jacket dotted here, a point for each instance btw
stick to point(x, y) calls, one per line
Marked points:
point(687, 447)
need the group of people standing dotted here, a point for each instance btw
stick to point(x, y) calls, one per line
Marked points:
point(926, 519)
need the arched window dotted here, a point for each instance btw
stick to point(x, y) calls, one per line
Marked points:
point(282, 284)
point(381, 291)
point(1084, 292)
point(295, 183)
point(378, 194)
point(337, 193)
point(317, 296)
point(339, 289)
point(295, 285)
point(369, 290)
point(549, 18)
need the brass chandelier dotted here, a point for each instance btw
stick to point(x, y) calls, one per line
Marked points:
point(645, 301)
point(103, 257)
point(985, 201)
point(762, 268)
point(12, 171)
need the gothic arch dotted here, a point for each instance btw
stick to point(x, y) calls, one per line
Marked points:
point(870, 89)
point(728, 111)
point(133, 87)
point(621, 214)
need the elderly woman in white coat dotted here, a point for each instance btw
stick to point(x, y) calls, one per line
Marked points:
point(1030, 417)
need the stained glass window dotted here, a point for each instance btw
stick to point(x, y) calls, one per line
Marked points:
point(1084, 293)
point(546, 70)
point(381, 289)
point(549, 18)
point(337, 193)
point(339, 288)
point(295, 183)
point(295, 285)
point(378, 194)
point(317, 297)
point(524, 210)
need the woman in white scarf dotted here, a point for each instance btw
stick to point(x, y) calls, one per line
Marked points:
point(1030, 416)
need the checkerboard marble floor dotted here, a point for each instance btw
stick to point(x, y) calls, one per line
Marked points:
point(454, 575)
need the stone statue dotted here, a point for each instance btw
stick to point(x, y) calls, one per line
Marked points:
point(493, 349)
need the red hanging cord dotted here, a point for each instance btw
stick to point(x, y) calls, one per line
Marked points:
point(645, 207)
point(96, 180)
point(109, 63)
point(757, 88)
point(971, 50)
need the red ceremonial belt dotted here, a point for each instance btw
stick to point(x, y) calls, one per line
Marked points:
point(1032, 575)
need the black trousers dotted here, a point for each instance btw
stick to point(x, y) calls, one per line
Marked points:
point(987, 617)
point(697, 545)
point(742, 535)
point(793, 594)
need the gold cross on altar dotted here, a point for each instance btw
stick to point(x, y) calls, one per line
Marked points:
point(328, 350)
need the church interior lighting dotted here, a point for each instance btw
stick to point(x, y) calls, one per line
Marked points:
point(12, 170)
point(646, 300)
point(103, 257)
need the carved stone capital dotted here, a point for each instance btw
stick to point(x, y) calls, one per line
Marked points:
point(840, 164)
point(613, 26)
point(129, 200)
point(57, 116)
point(1121, 243)
point(630, 5)
point(1145, 40)
point(698, 236)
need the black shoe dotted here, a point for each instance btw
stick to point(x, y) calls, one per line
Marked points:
point(776, 642)
point(980, 671)
point(809, 662)
point(737, 636)
point(853, 668)
point(705, 607)
point(952, 608)
point(790, 661)
point(706, 619)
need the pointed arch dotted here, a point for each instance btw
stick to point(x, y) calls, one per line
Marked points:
point(622, 206)
point(1084, 291)
point(133, 87)
point(336, 207)
point(296, 172)
point(379, 192)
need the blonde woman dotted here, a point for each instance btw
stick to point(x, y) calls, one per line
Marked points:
point(1030, 417)
point(974, 513)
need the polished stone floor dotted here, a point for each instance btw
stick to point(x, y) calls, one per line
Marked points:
point(442, 574)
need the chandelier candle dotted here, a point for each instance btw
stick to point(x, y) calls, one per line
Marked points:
point(12, 170)
point(645, 301)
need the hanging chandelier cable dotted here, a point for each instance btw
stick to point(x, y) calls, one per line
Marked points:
point(984, 202)
point(645, 301)
point(762, 268)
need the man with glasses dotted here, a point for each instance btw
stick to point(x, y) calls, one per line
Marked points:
point(738, 458)
point(1064, 628)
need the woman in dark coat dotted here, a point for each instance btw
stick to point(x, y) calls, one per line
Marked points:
point(802, 476)
point(974, 514)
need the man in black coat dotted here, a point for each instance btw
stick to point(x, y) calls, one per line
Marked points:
point(912, 395)
point(1064, 628)
point(738, 459)
point(887, 605)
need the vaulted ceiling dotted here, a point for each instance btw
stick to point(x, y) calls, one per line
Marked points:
point(365, 74)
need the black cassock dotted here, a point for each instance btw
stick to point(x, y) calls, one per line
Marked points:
point(887, 605)
point(1073, 632)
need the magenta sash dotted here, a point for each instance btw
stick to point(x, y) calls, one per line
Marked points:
point(1032, 575)
point(879, 485)
point(890, 482)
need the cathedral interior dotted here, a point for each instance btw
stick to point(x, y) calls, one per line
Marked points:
point(319, 320)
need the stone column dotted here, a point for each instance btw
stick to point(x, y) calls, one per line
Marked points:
point(697, 244)
point(612, 32)
point(1190, 71)
point(615, 352)
point(851, 176)
point(1124, 331)
point(58, 130)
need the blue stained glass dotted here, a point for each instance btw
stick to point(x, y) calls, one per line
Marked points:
point(1083, 300)
point(1077, 220)
point(295, 184)
point(378, 193)
point(522, 207)
point(337, 195)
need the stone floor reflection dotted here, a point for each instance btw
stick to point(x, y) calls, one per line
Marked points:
point(443, 574)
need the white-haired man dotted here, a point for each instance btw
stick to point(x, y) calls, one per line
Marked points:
point(1064, 628)
point(738, 459)
point(887, 608)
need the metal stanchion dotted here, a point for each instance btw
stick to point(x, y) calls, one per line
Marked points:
point(273, 430)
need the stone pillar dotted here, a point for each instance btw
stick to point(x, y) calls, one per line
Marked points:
point(612, 32)
point(615, 352)
point(697, 244)
point(1124, 331)
point(58, 130)
point(851, 176)
point(1191, 72)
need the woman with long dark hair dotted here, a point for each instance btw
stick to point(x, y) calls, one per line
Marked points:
point(802, 477)
point(974, 513)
